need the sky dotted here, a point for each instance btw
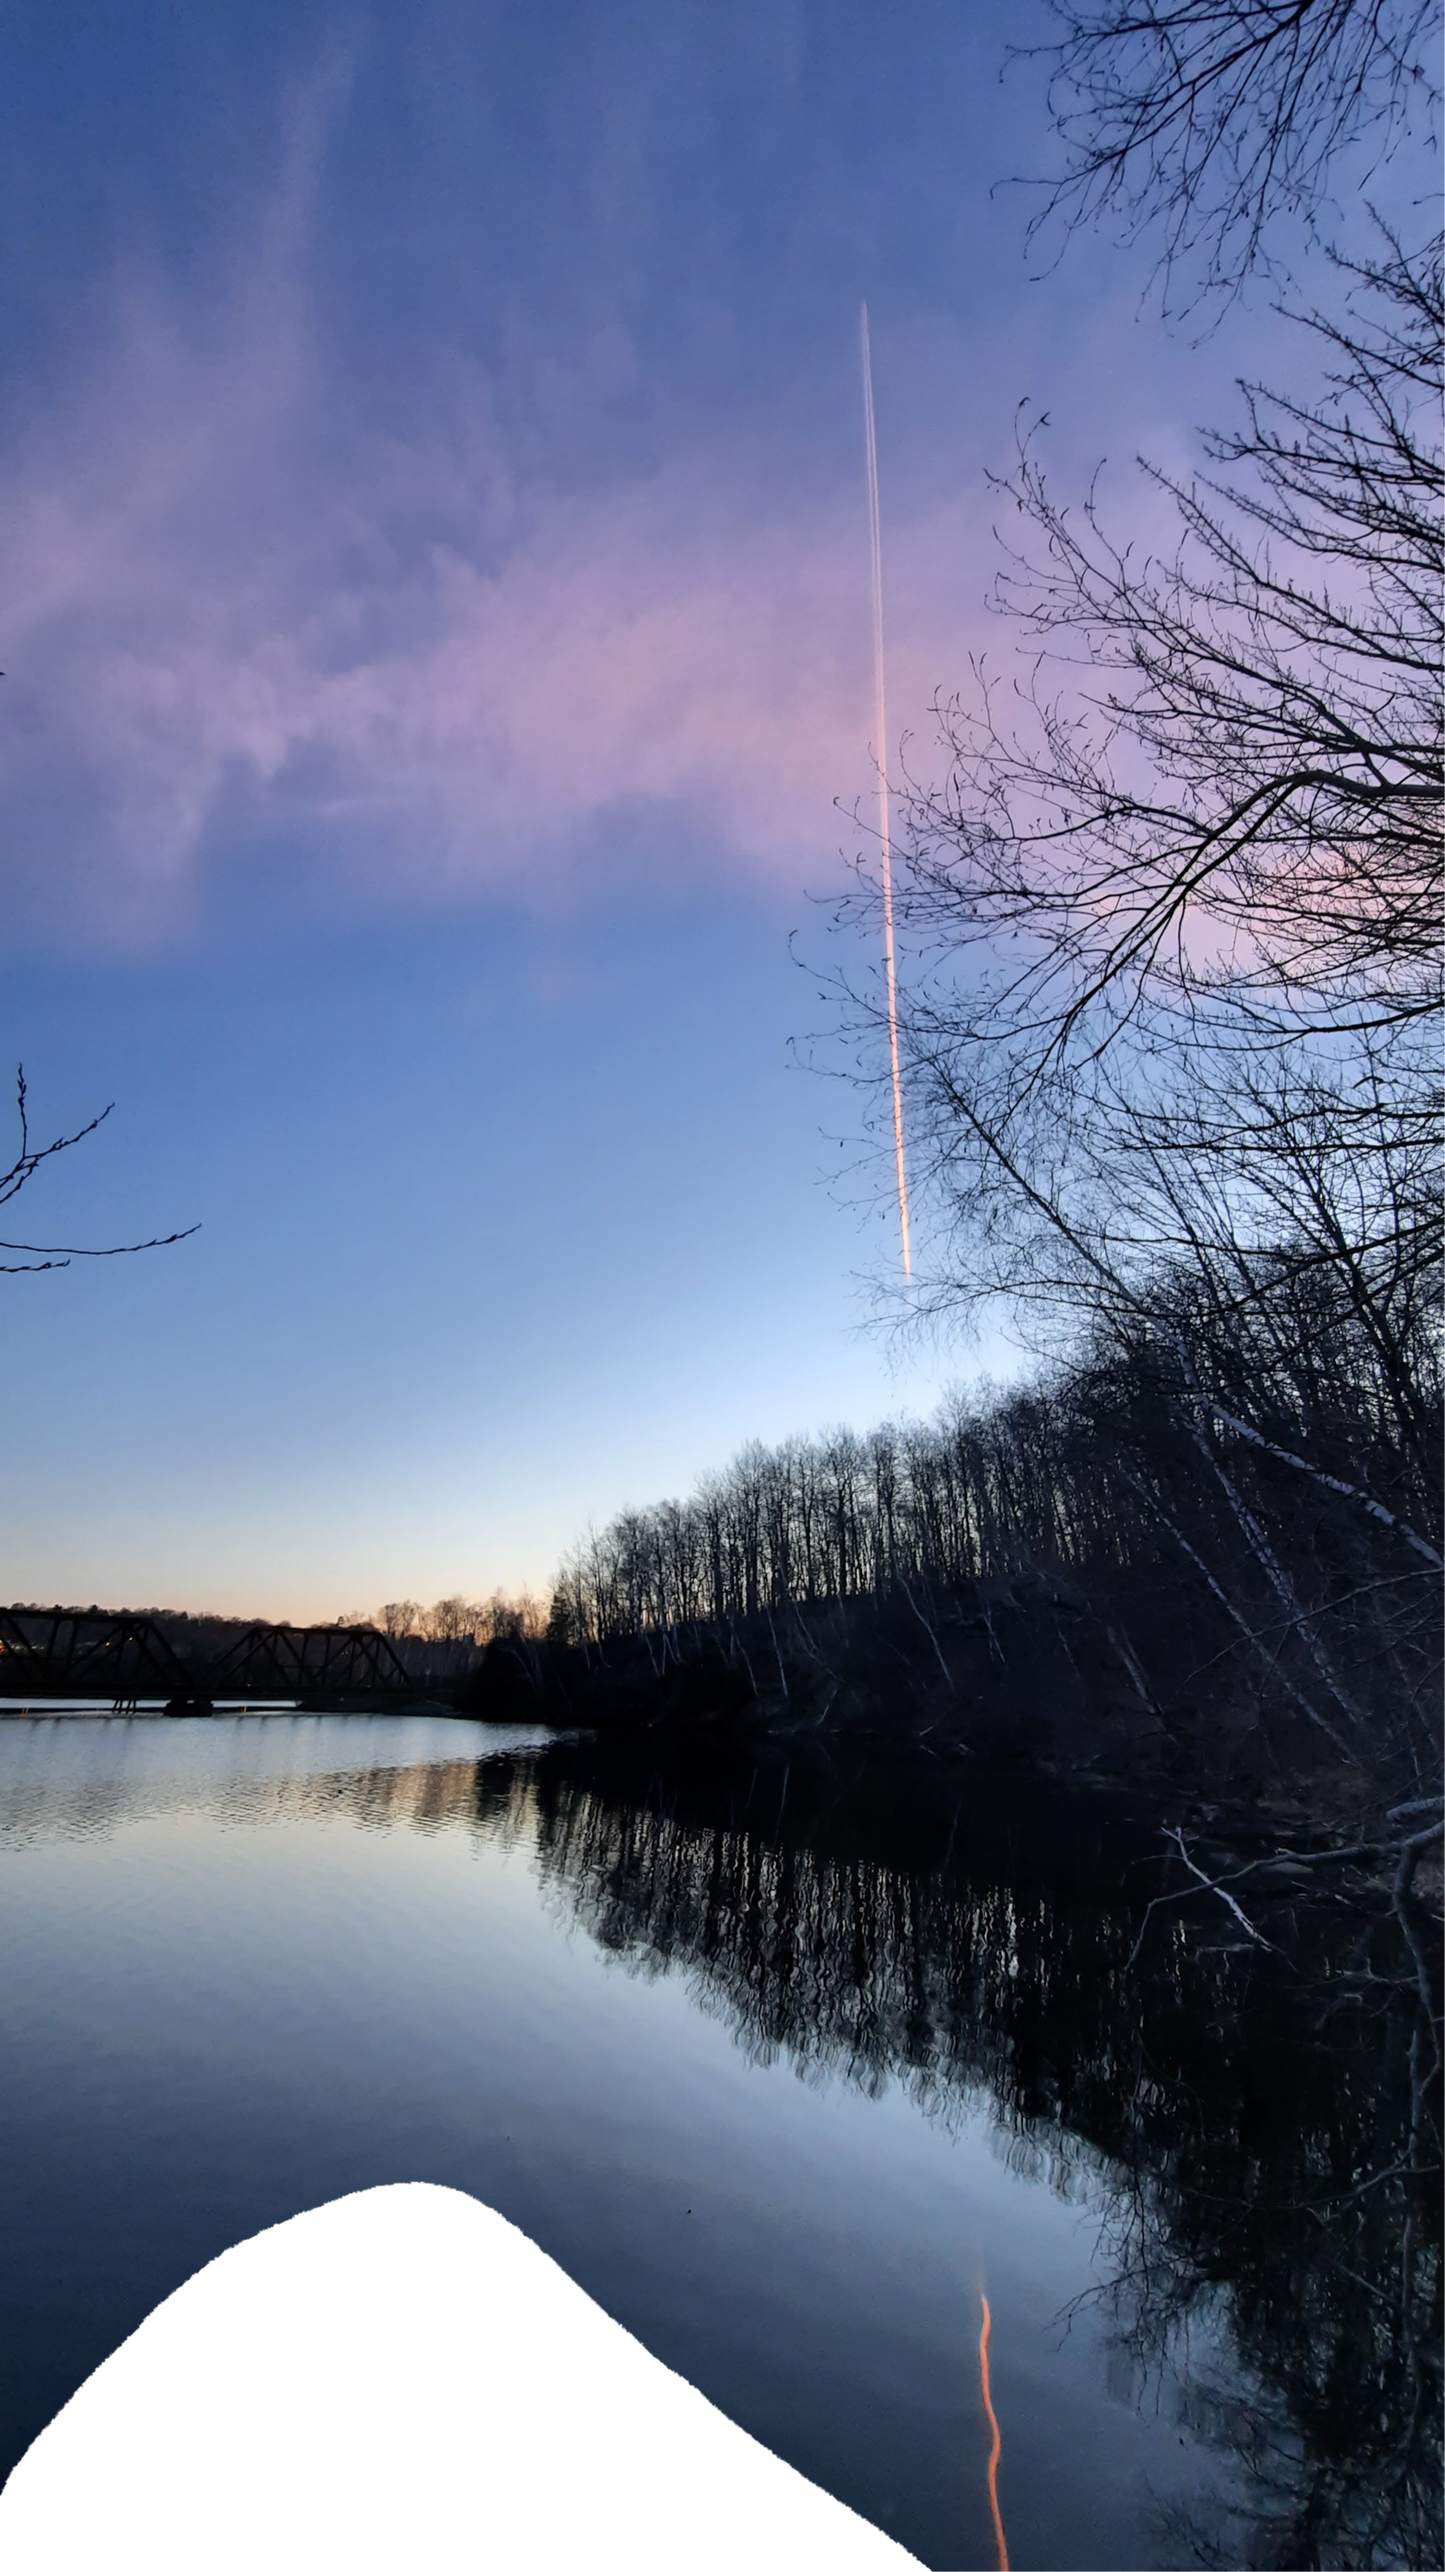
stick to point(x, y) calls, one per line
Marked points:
point(437, 643)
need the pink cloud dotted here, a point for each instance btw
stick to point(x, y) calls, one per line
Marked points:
point(228, 615)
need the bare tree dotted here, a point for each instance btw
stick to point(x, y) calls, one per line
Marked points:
point(505, 1618)
point(1242, 802)
point(1173, 928)
point(1210, 118)
point(452, 1620)
point(400, 1616)
point(1171, 1007)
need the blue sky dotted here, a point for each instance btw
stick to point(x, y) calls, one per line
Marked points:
point(437, 644)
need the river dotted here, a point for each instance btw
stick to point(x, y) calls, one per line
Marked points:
point(789, 2070)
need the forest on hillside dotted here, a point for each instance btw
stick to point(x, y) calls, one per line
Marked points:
point(1164, 1037)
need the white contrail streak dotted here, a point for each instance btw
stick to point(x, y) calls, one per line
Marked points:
point(885, 834)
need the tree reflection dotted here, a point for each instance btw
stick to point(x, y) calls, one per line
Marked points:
point(1253, 2125)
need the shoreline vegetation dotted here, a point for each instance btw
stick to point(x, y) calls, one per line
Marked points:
point(1195, 1571)
point(1144, 1568)
point(1203, 1568)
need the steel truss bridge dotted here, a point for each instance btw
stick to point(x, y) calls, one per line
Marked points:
point(121, 1659)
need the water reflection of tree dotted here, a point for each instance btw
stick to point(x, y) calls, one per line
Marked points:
point(1331, 2300)
point(1244, 2119)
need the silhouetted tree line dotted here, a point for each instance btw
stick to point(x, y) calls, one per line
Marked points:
point(1170, 948)
point(451, 1621)
point(456, 1619)
point(1170, 1004)
point(1252, 1500)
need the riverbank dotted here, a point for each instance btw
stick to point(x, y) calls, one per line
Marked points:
point(1025, 1674)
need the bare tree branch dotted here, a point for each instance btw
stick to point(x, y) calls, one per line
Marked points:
point(1211, 118)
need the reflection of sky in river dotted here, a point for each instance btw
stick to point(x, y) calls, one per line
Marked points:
point(252, 1966)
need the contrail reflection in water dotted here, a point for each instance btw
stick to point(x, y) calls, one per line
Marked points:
point(997, 2448)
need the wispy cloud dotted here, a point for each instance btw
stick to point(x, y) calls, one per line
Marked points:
point(233, 617)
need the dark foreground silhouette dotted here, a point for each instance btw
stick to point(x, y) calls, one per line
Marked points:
point(239, 2423)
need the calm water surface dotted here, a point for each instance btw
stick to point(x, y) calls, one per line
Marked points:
point(785, 2072)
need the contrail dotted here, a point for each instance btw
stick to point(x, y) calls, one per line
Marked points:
point(880, 719)
point(997, 2449)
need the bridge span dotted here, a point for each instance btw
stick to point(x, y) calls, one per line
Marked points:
point(48, 1653)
